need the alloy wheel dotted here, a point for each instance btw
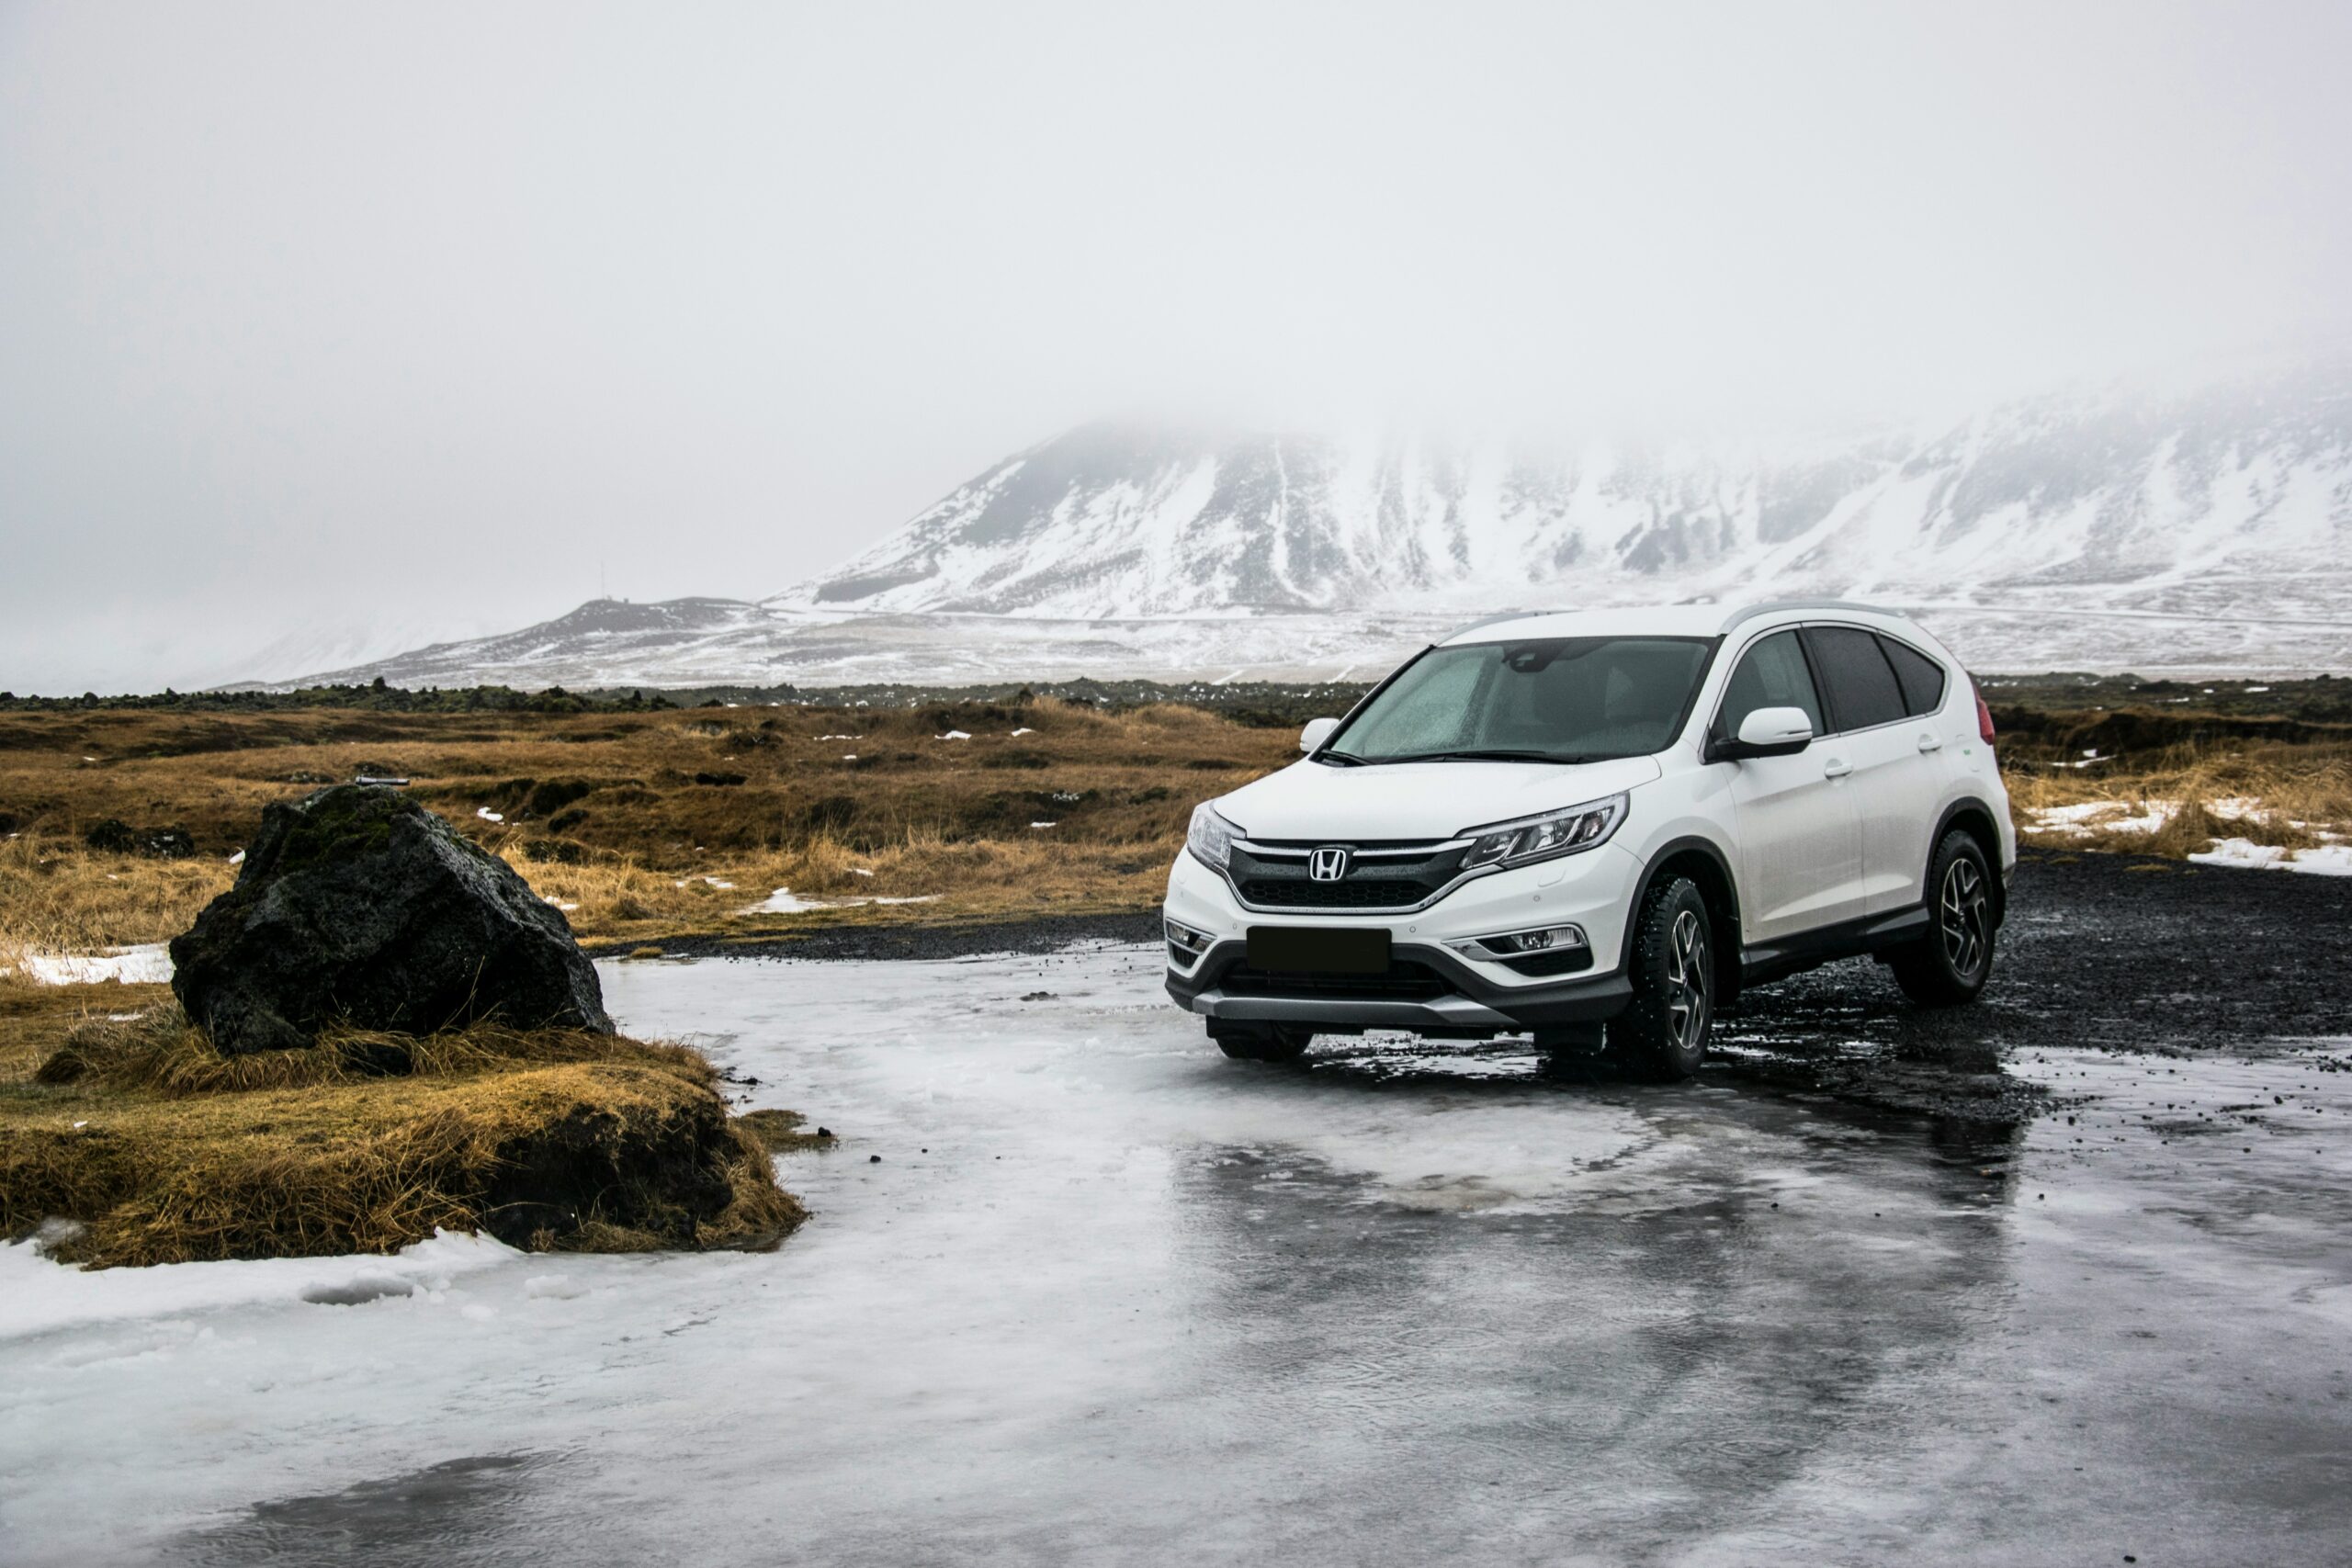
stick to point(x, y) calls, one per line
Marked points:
point(1961, 917)
point(1687, 982)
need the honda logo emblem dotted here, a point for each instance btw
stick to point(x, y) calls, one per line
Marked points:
point(1326, 865)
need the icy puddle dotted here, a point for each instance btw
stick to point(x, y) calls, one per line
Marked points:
point(1108, 1298)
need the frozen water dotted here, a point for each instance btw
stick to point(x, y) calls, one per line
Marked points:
point(1108, 1297)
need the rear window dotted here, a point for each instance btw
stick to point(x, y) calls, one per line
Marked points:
point(1921, 677)
point(1856, 677)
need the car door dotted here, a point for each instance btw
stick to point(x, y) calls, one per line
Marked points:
point(1799, 843)
point(1898, 779)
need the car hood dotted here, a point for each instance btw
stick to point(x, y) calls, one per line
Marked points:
point(1416, 800)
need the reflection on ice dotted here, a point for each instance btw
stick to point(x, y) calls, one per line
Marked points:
point(1109, 1296)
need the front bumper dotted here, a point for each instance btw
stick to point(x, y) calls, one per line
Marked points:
point(1475, 1006)
point(1473, 996)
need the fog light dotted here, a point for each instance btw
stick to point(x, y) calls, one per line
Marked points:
point(1517, 944)
point(1186, 944)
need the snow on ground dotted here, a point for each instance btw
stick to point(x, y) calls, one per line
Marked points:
point(2331, 857)
point(1108, 1297)
point(785, 901)
point(2324, 860)
point(148, 963)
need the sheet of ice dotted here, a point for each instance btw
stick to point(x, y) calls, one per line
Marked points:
point(146, 964)
point(1109, 1297)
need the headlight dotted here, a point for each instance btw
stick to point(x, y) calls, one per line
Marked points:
point(1554, 833)
point(1211, 837)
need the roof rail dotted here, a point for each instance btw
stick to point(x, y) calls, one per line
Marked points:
point(1774, 606)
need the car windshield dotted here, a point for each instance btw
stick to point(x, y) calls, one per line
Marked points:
point(1581, 699)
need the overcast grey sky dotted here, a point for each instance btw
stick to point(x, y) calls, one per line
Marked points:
point(407, 317)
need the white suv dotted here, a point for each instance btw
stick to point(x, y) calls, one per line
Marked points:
point(1557, 822)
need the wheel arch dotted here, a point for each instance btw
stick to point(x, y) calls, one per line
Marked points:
point(1705, 863)
point(1974, 817)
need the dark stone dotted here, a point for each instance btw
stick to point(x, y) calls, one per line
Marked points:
point(117, 837)
point(356, 903)
point(720, 781)
point(166, 843)
point(7, 822)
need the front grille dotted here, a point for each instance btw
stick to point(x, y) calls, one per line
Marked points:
point(1291, 893)
point(1404, 982)
point(1378, 877)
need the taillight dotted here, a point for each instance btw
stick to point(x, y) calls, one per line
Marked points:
point(1983, 714)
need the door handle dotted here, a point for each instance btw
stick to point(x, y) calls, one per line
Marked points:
point(1931, 743)
point(1836, 768)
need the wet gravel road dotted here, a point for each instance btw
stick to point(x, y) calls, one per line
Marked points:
point(2124, 952)
point(1079, 1291)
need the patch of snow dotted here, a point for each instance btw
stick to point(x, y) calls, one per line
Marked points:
point(955, 735)
point(859, 871)
point(2324, 860)
point(147, 964)
point(785, 901)
point(487, 815)
point(1045, 824)
point(1024, 731)
point(841, 738)
point(37, 1296)
point(237, 859)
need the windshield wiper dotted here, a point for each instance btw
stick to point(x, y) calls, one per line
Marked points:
point(1486, 754)
point(1344, 759)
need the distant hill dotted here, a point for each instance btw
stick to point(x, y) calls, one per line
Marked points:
point(2206, 528)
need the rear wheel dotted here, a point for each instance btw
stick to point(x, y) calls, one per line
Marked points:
point(1261, 1042)
point(1952, 963)
point(1664, 1034)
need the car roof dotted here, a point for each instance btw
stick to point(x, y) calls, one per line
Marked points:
point(1670, 620)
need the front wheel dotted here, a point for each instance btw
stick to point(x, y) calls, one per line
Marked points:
point(1952, 963)
point(1261, 1042)
point(1663, 1034)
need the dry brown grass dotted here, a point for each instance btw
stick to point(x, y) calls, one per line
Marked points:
point(640, 805)
point(165, 1152)
point(2289, 795)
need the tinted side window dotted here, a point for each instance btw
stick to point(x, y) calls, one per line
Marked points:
point(1922, 678)
point(1772, 674)
point(1862, 690)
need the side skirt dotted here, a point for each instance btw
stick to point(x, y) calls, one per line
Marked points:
point(1848, 939)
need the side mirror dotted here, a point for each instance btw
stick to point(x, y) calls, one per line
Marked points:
point(1767, 732)
point(1318, 731)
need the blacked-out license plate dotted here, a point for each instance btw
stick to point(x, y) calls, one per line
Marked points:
point(1318, 949)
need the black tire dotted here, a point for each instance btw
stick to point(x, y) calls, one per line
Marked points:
point(1261, 1042)
point(1663, 1034)
point(1952, 963)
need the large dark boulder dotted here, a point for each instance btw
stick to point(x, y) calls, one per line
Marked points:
point(356, 904)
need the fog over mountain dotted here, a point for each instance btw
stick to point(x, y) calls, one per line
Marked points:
point(2205, 527)
point(331, 332)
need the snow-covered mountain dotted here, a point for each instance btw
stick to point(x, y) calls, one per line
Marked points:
point(2141, 502)
point(2209, 528)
